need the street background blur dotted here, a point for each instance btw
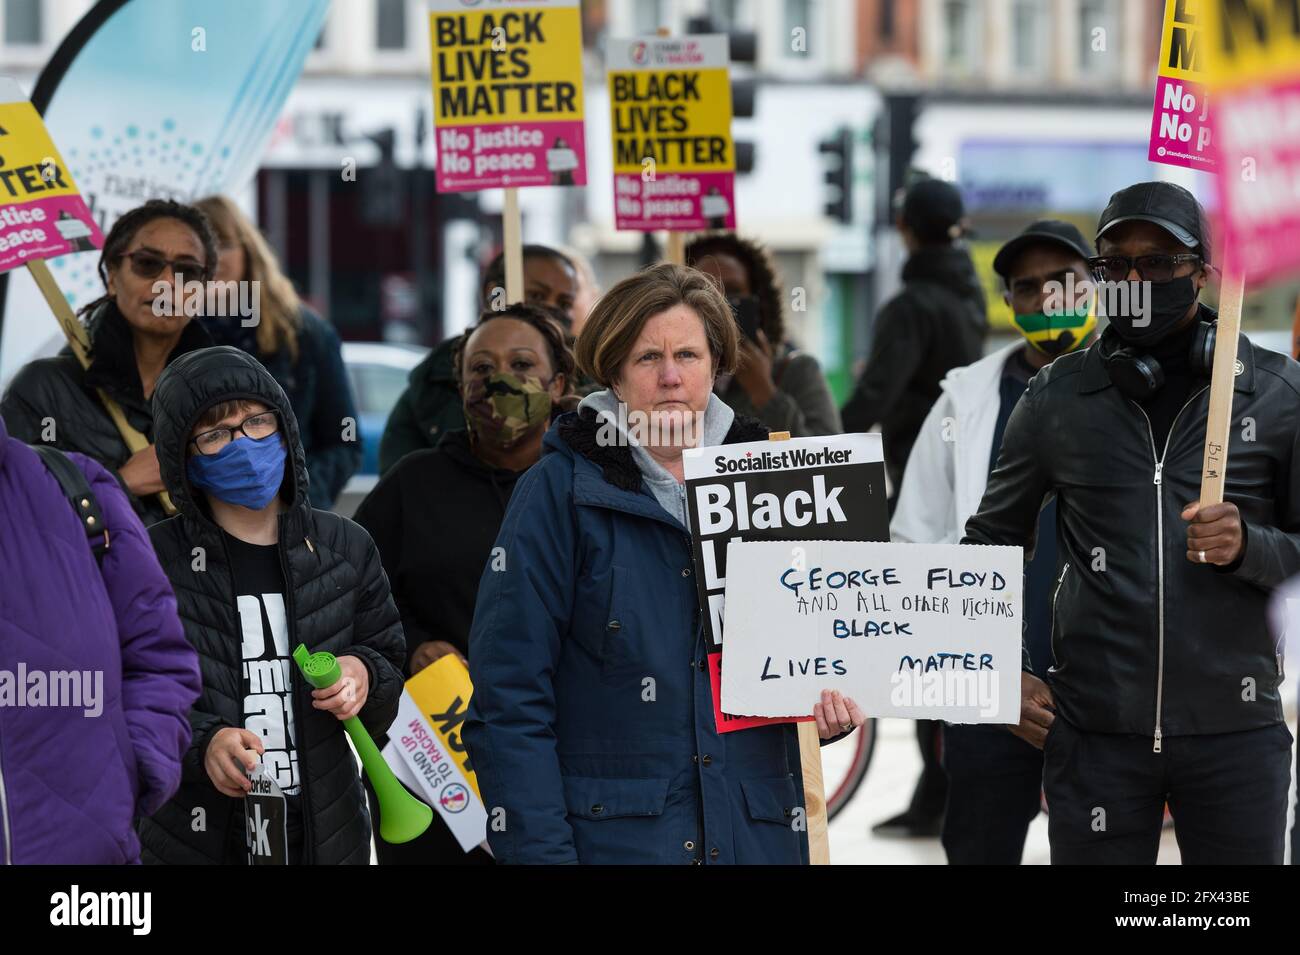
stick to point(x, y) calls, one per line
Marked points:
point(1034, 107)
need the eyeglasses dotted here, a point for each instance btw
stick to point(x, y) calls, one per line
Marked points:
point(147, 265)
point(261, 425)
point(1157, 267)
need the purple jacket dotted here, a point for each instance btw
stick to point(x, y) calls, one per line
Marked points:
point(74, 776)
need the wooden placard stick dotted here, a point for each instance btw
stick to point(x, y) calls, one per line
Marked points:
point(1222, 382)
point(79, 342)
point(810, 759)
point(675, 248)
point(512, 237)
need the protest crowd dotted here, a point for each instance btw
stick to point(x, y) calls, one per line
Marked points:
point(537, 533)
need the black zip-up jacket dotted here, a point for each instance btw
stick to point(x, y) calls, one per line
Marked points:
point(435, 518)
point(60, 390)
point(337, 599)
point(1145, 641)
point(938, 322)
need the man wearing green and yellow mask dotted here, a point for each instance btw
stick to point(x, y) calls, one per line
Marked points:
point(1048, 289)
point(994, 778)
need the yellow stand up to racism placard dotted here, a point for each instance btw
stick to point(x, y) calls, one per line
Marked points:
point(427, 753)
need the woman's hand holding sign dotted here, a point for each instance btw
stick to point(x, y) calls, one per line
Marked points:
point(836, 715)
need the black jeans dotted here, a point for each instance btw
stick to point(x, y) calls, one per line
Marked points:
point(1227, 793)
point(994, 792)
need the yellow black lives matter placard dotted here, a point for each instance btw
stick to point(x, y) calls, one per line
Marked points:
point(507, 93)
point(670, 124)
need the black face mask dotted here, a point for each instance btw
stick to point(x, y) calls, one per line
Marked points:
point(1167, 305)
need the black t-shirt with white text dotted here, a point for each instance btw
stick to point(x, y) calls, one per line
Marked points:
point(266, 670)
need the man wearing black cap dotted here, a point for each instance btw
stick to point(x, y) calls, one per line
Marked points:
point(1164, 682)
point(994, 779)
point(936, 323)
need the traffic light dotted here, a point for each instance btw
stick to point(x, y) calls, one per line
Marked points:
point(902, 110)
point(742, 47)
point(839, 175)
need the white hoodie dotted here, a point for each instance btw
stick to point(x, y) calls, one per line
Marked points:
point(948, 468)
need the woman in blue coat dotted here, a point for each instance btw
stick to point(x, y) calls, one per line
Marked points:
point(591, 727)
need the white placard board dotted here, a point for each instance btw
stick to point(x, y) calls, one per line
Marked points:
point(921, 631)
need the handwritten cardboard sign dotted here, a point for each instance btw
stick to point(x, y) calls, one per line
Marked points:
point(507, 93)
point(42, 215)
point(924, 631)
point(830, 488)
point(426, 751)
point(670, 117)
point(1180, 124)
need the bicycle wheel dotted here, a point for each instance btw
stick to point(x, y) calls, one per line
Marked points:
point(844, 766)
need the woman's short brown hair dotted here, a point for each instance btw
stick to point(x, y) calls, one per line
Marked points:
point(619, 315)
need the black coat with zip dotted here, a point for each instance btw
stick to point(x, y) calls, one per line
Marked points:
point(338, 600)
point(1145, 641)
point(60, 390)
point(435, 518)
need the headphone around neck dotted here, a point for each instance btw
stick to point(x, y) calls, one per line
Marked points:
point(1138, 375)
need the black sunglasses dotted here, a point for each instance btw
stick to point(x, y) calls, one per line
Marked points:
point(147, 265)
point(1156, 267)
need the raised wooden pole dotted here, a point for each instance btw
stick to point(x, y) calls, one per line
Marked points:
point(810, 759)
point(675, 249)
point(1222, 381)
point(512, 238)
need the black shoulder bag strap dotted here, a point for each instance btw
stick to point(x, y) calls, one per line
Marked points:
point(77, 490)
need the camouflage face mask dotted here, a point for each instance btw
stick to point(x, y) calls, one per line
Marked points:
point(501, 408)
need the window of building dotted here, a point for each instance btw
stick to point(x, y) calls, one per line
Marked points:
point(1029, 36)
point(650, 16)
point(728, 14)
point(390, 24)
point(798, 16)
point(886, 20)
point(961, 35)
point(1098, 37)
point(22, 22)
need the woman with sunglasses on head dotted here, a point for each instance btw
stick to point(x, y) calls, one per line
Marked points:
point(299, 348)
point(135, 333)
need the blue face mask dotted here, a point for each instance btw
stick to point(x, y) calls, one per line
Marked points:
point(246, 472)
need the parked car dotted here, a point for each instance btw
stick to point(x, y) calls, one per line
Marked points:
point(378, 373)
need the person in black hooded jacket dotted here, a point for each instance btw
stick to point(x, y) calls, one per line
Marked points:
point(57, 402)
point(436, 514)
point(938, 322)
point(258, 571)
